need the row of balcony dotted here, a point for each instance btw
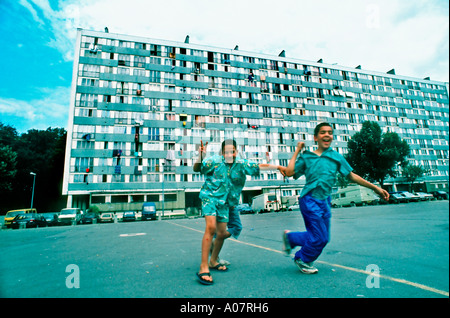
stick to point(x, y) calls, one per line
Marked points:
point(352, 95)
point(253, 66)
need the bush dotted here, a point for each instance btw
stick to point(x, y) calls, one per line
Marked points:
point(94, 209)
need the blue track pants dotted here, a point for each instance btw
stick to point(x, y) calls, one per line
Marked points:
point(316, 215)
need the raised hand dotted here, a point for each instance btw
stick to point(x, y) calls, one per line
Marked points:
point(202, 149)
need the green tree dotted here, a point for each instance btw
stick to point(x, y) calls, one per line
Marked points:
point(341, 181)
point(8, 164)
point(7, 169)
point(41, 152)
point(38, 151)
point(8, 136)
point(411, 173)
point(374, 155)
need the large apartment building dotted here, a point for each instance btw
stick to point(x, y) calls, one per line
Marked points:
point(140, 107)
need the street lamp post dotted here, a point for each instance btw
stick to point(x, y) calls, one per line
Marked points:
point(32, 192)
point(163, 164)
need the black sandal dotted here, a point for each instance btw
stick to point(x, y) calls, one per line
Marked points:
point(204, 281)
point(217, 268)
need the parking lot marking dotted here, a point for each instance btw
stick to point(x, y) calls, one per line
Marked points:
point(356, 270)
point(132, 234)
point(398, 280)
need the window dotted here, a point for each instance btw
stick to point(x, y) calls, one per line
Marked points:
point(170, 117)
point(98, 199)
point(88, 100)
point(89, 82)
point(139, 72)
point(200, 121)
point(119, 145)
point(89, 70)
point(228, 120)
point(169, 177)
point(140, 46)
point(81, 164)
point(170, 197)
point(198, 177)
point(125, 44)
point(122, 88)
point(82, 144)
point(84, 112)
point(120, 130)
point(155, 60)
point(137, 101)
point(139, 61)
point(123, 71)
point(124, 60)
point(153, 165)
point(81, 131)
point(267, 112)
point(153, 134)
point(153, 177)
point(136, 178)
point(155, 50)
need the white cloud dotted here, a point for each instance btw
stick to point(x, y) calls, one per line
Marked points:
point(33, 12)
point(51, 109)
point(379, 35)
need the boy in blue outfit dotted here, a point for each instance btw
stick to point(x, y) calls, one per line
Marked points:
point(225, 177)
point(320, 168)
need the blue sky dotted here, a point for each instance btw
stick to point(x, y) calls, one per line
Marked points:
point(38, 39)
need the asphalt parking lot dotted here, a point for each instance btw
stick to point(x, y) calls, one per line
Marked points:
point(387, 251)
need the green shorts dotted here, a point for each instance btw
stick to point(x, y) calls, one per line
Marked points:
point(212, 208)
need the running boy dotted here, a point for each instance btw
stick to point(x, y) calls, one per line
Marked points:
point(224, 180)
point(320, 168)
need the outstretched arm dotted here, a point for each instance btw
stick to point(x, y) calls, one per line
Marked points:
point(289, 170)
point(357, 179)
point(202, 154)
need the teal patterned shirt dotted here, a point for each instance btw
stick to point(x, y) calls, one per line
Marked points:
point(320, 172)
point(224, 182)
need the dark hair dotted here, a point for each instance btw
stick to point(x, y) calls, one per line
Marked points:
point(228, 142)
point(317, 129)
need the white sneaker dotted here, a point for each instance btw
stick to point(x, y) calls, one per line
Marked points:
point(223, 262)
point(306, 268)
point(220, 261)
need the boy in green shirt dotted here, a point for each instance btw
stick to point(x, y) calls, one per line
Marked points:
point(320, 168)
point(225, 177)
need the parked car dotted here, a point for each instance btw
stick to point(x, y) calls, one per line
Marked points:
point(106, 217)
point(396, 197)
point(51, 218)
point(244, 209)
point(148, 211)
point(10, 215)
point(89, 218)
point(28, 220)
point(409, 196)
point(424, 196)
point(266, 202)
point(440, 195)
point(70, 216)
point(353, 195)
point(129, 216)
